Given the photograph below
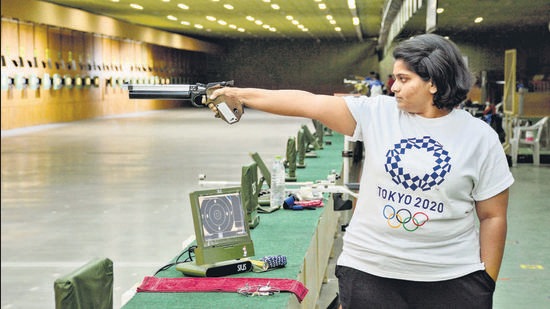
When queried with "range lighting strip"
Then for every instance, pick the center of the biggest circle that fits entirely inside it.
(290, 18)
(257, 22)
(200, 26)
(323, 7)
(355, 19)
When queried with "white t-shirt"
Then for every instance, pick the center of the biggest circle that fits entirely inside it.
(415, 217)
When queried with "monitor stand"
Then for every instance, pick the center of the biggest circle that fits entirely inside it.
(264, 204)
(254, 219)
(219, 269)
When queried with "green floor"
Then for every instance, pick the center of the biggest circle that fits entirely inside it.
(524, 277)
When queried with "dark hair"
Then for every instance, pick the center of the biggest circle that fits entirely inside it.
(438, 60)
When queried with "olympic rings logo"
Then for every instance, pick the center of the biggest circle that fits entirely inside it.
(404, 218)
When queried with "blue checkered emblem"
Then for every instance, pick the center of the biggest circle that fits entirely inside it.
(423, 182)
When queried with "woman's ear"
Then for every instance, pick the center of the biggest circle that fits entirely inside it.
(433, 88)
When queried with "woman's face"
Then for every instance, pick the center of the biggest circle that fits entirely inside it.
(413, 94)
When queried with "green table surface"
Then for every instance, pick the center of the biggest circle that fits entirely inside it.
(283, 232)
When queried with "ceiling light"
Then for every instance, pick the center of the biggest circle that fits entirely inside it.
(183, 6)
(185, 23)
(332, 22)
(305, 29)
(241, 30)
(266, 26)
(275, 6)
(322, 6)
(136, 6)
(232, 26)
(267, 1)
(228, 6)
(250, 18)
(351, 4)
(211, 18)
(478, 20)
(171, 17)
(115, 0)
(337, 29)
(165, 0)
(199, 26)
(295, 22)
(222, 22)
(258, 22)
(272, 29)
(356, 21)
(440, 10)
(329, 17)
(289, 17)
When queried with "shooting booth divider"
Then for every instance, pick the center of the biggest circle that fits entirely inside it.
(250, 192)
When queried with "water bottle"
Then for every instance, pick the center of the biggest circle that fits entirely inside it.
(277, 183)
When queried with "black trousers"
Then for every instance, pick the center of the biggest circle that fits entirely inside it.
(360, 290)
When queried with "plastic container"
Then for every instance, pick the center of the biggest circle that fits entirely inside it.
(277, 196)
(529, 136)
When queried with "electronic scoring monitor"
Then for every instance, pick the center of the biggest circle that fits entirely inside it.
(221, 228)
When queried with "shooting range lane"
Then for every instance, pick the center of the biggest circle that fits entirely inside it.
(283, 232)
(116, 187)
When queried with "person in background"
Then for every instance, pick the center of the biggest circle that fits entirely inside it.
(389, 84)
(430, 171)
(375, 85)
(489, 111)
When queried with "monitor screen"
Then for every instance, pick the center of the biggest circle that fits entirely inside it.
(221, 227)
(222, 217)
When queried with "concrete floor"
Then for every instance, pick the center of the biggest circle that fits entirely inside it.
(118, 188)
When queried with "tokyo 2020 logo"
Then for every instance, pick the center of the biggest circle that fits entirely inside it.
(441, 167)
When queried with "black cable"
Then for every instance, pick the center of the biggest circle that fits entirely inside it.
(189, 258)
